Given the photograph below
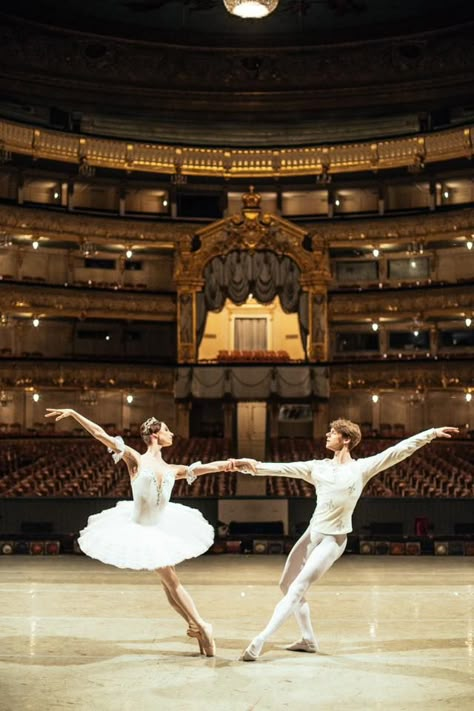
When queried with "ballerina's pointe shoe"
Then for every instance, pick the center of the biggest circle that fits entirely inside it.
(304, 645)
(196, 634)
(206, 641)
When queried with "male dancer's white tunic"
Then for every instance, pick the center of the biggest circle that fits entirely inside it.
(339, 486)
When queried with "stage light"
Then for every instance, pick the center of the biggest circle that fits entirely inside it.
(468, 397)
(129, 253)
(375, 398)
(35, 244)
(337, 202)
(468, 321)
(376, 252)
(413, 548)
(233, 546)
(36, 548)
(129, 399)
(469, 244)
(367, 548)
(397, 548)
(36, 397)
(441, 548)
(52, 547)
(446, 194)
(260, 546)
(382, 547)
(6, 547)
(21, 547)
(375, 326)
(165, 203)
(36, 322)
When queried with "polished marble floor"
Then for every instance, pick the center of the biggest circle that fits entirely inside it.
(395, 634)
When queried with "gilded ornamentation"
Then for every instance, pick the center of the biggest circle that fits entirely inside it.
(399, 375)
(81, 303)
(86, 376)
(250, 230)
(401, 304)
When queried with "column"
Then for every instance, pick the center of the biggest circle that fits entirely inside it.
(320, 418)
(70, 195)
(187, 344)
(381, 200)
(318, 323)
(273, 411)
(229, 408)
(183, 409)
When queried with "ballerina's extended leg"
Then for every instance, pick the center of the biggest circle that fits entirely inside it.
(183, 603)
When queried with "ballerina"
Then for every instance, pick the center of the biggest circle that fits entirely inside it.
(339, 482)
(149, 533)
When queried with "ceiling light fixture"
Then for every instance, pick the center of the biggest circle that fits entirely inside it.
(251, 9)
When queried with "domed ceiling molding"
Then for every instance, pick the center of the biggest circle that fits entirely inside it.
(73, 68)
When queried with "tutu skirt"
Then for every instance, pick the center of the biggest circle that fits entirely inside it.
(114, 538)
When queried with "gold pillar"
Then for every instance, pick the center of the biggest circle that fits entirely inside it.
(187, 344)
(318, 347)
(188, 287)
(315, 282)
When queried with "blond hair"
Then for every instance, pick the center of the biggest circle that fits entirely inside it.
(149, 427)
(348, 430)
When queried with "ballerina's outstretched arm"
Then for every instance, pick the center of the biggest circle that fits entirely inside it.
(225, 465)
(113, 443)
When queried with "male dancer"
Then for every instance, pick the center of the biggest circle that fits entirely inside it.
(339, 482)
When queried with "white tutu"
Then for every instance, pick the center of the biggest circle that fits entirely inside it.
(114, 538)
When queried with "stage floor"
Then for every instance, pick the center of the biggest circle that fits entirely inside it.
(395, 633)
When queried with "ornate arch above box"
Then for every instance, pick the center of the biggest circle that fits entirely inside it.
(253, 233)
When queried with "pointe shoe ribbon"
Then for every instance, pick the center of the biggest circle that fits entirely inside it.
(303, 645)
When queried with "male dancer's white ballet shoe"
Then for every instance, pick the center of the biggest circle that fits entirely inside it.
(252, 653)
(304, 645)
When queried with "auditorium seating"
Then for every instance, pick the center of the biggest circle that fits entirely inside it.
(81, 467)
(84, 468)
(441, 470)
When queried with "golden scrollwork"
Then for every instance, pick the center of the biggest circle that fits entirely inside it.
(124, 155)
(79, 303)
(401, 304)
(19, 374)
(397, 375)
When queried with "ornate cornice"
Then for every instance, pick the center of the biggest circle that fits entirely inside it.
(400, 228)
(85, 303)
(402, 375)
(397, 305)
(63, 375)
(222, 162)
(47, 62)
(75, 227)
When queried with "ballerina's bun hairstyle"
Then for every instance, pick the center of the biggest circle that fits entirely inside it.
(149, 427)
(349, 430)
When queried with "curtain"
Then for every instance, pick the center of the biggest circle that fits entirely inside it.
(250, 334)
(264, 274)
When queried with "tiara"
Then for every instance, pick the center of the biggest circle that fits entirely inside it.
(148, 424)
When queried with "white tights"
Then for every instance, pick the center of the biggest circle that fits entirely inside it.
(307, 563)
